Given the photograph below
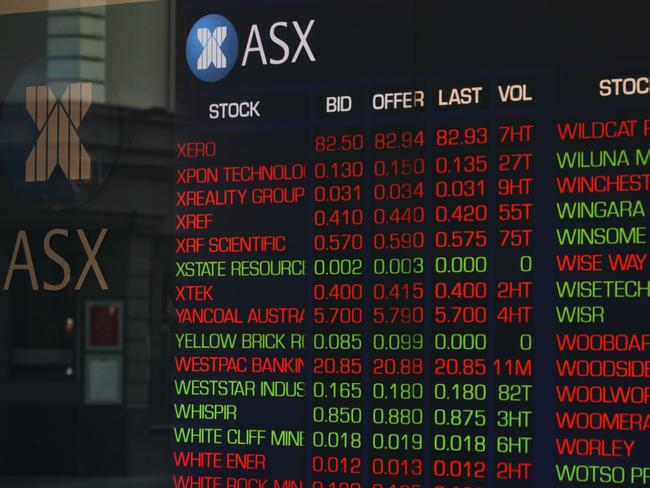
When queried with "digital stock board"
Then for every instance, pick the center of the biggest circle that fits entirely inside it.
(411, 244)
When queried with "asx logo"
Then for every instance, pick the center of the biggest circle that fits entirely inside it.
(28, 265)
(212, 46)
(58, 143)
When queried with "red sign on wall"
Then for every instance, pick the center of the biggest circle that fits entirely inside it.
(104, 326)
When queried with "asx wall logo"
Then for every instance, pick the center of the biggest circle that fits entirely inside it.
(212, 46)
(58, 143)
(60, 138)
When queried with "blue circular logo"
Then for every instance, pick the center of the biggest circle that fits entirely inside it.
(211, 48)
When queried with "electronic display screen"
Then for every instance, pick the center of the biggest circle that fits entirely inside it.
(410, 249)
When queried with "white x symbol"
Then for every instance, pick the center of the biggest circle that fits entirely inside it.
(212, 53)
